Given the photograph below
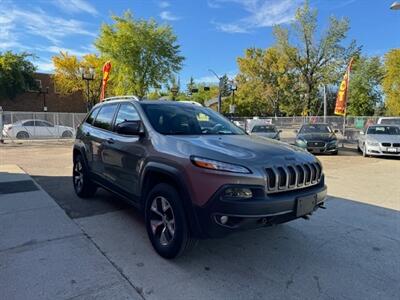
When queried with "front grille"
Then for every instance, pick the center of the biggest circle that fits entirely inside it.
(386, 144)
(315, 144)
(396, 144)
(291, 177)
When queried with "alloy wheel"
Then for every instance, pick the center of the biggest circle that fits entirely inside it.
(78, 175)
(162, 220)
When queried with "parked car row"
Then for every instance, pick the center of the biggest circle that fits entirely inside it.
(382, 139)
(29, 128)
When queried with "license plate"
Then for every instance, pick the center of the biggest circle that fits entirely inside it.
(392, 150)
(305, 205)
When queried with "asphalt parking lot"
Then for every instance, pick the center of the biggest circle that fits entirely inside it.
(348, 251)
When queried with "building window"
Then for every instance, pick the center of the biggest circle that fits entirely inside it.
(36, 88)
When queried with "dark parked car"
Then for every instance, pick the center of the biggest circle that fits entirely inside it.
(317, 138)
(191, 172)
(268, 131)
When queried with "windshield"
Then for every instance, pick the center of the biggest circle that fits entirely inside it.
(187, 120)
(315, 128)
(390, 130)
(264, 128)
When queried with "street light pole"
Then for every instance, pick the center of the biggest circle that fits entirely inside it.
(219, 90)
(87, 75)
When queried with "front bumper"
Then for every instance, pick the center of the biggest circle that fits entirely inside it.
(327, 148)
(261, 210)
(382, 151)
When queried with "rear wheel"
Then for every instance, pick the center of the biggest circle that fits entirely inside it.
(66, 134)
(22, 135)
(83, 186)
(166, 222)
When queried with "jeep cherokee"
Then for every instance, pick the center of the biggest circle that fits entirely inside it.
(191, 172)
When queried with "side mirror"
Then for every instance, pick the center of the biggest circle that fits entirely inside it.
(336, 131)
(280, 130)
(130, 128)
(295, 131)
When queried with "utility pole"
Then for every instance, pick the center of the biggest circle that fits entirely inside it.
(325, 104)
(220, 87)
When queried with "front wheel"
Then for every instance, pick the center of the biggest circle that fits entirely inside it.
(364, 151)
(166, 222)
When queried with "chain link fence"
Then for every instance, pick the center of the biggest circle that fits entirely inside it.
(39, 125)
(47, 125)
(349, 129)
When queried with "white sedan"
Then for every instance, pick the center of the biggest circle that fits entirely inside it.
(380, 140)
(26, 129)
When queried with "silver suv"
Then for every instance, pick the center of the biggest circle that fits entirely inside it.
(193, 173)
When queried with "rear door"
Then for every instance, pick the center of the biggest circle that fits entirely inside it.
(101, 137)
(44, 129)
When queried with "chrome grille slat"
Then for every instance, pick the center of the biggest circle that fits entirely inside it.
(291, 177)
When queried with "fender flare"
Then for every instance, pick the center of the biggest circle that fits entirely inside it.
(176, 176)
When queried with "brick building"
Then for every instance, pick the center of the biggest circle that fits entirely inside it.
(36, 101)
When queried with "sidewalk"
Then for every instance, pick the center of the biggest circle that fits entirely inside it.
(44, 254)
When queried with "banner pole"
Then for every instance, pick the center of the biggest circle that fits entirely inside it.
(347, 99)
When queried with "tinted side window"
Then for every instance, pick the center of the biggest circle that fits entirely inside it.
(126, 113)
(92, 115)
(105, 117)
(29, 123)
(43, 124)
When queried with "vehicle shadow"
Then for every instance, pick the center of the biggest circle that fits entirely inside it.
(61, 189)
(349, 250)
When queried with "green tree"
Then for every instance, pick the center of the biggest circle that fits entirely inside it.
(16, 74)
(391, 82)
(319, 59)
(365, 86)
(225, 86)
(267, 83)
(144, 54)
(68, 78)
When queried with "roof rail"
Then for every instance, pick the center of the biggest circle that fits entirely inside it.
(136, 98)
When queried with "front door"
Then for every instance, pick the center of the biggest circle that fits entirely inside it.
(128, 153)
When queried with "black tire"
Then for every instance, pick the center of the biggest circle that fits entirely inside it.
(159, 216)
(83, 186)
(67, 134)
(335, 153)
(364, 151)
(22, 135)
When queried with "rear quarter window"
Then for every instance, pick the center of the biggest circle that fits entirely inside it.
(105, 117)
(92, 116)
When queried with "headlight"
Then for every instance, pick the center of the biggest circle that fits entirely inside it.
(370, 143)
(301, 143)
(218, 165)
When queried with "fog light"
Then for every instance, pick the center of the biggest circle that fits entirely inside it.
(238, 193)
(223, 220)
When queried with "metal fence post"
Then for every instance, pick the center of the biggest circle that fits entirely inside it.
(1, 125)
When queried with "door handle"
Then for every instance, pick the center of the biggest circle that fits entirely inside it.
(110, 141)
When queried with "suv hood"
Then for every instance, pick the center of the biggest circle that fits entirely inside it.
(324, 137)
(239, 149)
